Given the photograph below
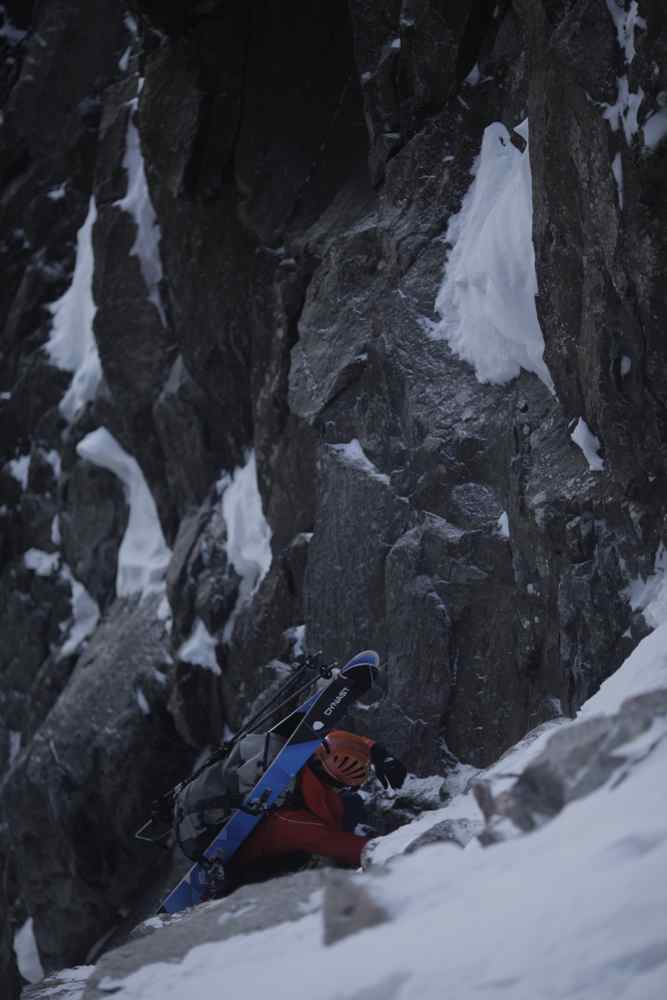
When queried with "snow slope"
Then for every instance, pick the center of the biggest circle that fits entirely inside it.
(574, 910)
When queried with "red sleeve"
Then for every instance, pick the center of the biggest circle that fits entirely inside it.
(289, 830)
(320, 799)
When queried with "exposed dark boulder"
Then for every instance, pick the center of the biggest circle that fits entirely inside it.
(73, 802)
(181, 416)
(92, 522)
(576, 761)
(10, 980)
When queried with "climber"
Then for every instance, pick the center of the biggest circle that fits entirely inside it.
(323, 816)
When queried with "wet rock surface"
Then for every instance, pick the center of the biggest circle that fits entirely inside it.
(295, 176)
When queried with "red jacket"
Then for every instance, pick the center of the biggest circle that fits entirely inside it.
(314, 829)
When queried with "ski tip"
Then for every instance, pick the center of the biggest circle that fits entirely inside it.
(367, 658)
(362, 670)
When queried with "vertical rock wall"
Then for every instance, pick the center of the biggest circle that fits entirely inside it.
(273, 187)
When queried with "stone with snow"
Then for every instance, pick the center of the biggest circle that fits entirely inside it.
(577, 760)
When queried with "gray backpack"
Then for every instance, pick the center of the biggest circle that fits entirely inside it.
(204, 804)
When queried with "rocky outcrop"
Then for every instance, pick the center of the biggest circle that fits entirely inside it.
(576, 762)
(85, 784)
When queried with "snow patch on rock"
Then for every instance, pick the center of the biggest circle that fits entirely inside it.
(353, 454)
(199, 648)
(487, 297)
(503, 525)
(19, 469)
(40, 562)
(71, 344)
(655, 129)
(248, 545)
(143, 556)
(137, 202)
(584, 439)
(650, 596)
(85, 615)
(626, 23)
(27, 955)
(85, 610)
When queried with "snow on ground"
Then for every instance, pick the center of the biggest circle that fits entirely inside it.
(248, 544)
(200, 648)
(138, 203)
(71, 344)
(353, 454)
(487, 298)
(573, 910)
(143, 555)
(584, 439)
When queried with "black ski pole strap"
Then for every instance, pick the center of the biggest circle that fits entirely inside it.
(265, 756)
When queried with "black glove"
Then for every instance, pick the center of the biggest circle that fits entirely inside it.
(388, 769)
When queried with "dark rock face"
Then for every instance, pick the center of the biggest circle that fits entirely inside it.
(74, 801)
(603, 306)
(10, 980)
(273, 194)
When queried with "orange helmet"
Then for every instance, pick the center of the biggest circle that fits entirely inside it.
(345, 757)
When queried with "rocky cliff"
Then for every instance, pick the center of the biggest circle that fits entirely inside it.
(339, 324)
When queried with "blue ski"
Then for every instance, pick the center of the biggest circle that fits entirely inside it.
(304, 729)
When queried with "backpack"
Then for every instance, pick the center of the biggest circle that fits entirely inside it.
(203, 805)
